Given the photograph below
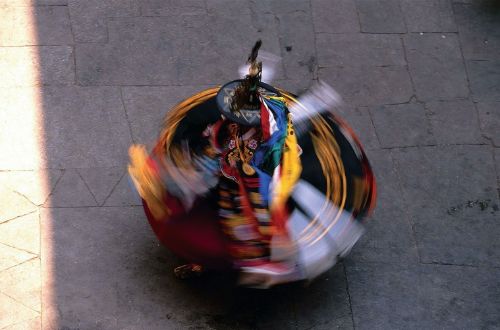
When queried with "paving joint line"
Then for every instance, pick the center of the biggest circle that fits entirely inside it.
(408, 216)
(407, 66)
(348, 295)
(22, 195)
(61, 173)
(359, 18)
(17, 217)
(51, 192)
(315, 41)
(20, 249)
(114, 187)
(87, 186)
(373, 125)
(129, 124)
(474, 103)
(23, 262)
(75, 82)
(17, 323)
(436, 263)
(20, 302)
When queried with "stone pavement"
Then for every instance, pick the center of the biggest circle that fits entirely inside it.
(81, 80)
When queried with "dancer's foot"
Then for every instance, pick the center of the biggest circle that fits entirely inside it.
(188, 271)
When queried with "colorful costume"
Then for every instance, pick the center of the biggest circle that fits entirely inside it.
(233, 184)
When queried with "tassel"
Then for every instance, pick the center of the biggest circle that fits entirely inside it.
(146, 181)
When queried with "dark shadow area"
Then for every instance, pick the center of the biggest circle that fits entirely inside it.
(490, 6)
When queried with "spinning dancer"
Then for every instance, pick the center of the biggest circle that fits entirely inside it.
(250, 178)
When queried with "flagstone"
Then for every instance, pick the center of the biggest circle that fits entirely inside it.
(10, 256)
(71, 190)
(124, 194)
(14, 312)
(32, 324)
(22, 233)
(34, 185)
(101, 180)
(13, 204)
(23, 283)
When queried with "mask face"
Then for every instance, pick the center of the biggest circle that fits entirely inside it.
(247, 110)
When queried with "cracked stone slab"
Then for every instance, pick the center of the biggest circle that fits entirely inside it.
(84, 127)
(33, 66)
(380, 16)
(479, 31)
(71, 191)
(23, 283)
(361, 122)
(13, 205)
(454, 122)
(40, 25)
(124, 194)
(34, 185)
(388, 237)
(489, 118)
(402, 125)
(391, 296)
(298, 50)
(436, 66)
(157, 53)
(340, 18)
(365, 85)
(32, 324)
(147, 106)
(10, 257)
(89, 18)
(358, 49)
(101, 180)
(14, 312)
(454, 203)
(22, 233)
(484, 79)
(428, 15)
